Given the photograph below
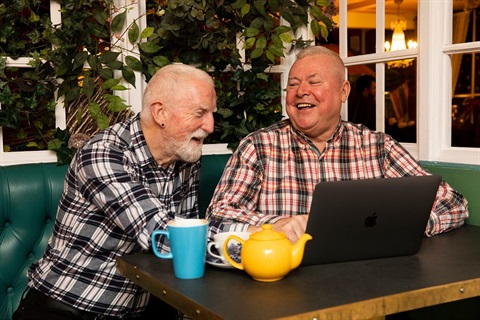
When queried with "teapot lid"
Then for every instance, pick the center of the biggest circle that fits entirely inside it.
(267, 234)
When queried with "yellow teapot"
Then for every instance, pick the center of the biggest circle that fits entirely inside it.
(268, 255)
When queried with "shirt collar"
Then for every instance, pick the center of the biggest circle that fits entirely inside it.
(338, 133)
(336, 136)
(139, 144)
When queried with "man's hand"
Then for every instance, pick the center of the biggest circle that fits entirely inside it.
(293, 227)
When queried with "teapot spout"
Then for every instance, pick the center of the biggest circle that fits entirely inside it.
(299, 249)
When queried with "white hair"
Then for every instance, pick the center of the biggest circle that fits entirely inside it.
(168, 84)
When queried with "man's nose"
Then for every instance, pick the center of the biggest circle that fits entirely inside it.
(303, 89)
(208, 123)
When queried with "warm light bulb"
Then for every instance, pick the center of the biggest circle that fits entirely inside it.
(412, 44)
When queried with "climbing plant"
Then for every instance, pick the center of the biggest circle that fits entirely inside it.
(99, 50)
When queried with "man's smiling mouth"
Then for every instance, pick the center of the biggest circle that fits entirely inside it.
(305, 106)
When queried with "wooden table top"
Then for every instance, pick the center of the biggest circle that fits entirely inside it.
(447, 268)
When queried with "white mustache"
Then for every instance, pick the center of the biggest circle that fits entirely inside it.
(199, 134)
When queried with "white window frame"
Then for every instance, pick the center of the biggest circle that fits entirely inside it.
(434, 78)
(378, 58)
(435, 84)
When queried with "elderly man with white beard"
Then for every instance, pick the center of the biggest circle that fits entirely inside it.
(127, 181)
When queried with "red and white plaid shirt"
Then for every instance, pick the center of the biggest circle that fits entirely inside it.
(273, 173)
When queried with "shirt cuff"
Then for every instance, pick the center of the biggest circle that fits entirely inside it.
(238, 227)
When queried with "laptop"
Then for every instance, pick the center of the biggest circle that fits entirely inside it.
(366, 219)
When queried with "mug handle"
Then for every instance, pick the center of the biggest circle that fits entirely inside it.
(213, 254)
(154, 244)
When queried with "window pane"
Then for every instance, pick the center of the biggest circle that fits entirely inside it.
(466, 100)
(401, 100)
(400, 25)
(466, 78)
(28, 117)
(23, 28)
(361, 102)
(462, 73)
(466, 27)
(361, 27)
(465, 122)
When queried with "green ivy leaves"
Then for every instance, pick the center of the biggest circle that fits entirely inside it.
(118, 22)
(98, 50)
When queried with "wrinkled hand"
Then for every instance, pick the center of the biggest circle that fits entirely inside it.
(293, 227)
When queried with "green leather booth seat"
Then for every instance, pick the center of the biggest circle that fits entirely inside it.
(29, 195)
(212, 169)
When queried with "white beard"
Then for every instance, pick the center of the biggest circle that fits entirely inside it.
(189, 150)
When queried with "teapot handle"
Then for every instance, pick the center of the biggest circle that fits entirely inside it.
(227, 255)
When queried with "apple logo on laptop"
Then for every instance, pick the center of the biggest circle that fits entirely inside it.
(371, 221)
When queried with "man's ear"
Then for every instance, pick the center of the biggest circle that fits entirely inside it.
(345, 89)
(157, 109)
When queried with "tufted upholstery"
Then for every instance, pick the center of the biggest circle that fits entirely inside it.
(29, 195)
(212, 169)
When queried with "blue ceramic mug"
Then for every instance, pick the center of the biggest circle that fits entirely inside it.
(188, 246)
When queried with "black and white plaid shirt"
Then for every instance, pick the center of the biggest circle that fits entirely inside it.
(114, 196)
